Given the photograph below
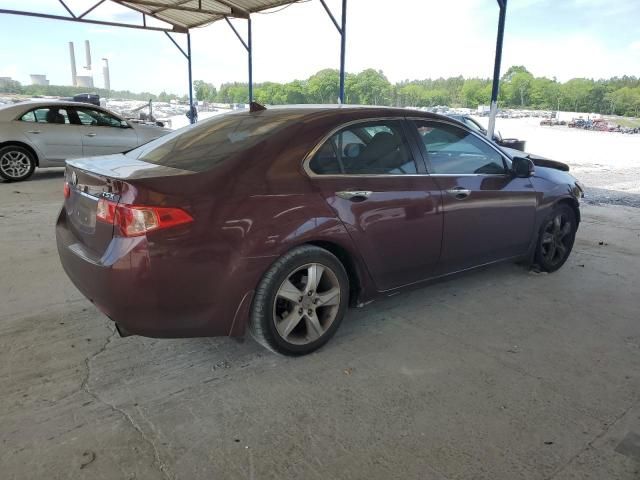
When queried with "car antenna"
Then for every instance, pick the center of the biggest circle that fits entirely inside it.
(256, 107)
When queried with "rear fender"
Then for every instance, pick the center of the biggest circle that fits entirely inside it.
(302, 219)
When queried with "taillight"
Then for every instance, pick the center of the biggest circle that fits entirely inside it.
(135, 220)
(66, 190)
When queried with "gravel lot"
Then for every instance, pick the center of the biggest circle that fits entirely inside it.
(499, 374)
(607, 163)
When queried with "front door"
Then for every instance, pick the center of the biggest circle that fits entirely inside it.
(489, 214)
(104, 134)
(367, 174)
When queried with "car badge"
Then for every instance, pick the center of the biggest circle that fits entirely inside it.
(74, 178)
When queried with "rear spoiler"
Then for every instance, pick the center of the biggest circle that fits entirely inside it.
(122, 167)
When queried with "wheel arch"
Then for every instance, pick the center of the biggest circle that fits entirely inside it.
(23, 145)
(573, 203)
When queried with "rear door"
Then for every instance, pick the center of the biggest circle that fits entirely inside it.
(366, 172)
(488, 213)
(103, 133)
(52, 131)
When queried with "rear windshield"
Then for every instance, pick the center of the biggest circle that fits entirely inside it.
(203, 146)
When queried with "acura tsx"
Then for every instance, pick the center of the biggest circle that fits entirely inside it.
(274, 221)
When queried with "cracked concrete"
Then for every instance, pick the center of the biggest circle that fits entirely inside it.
(85, 386)
(496, 375)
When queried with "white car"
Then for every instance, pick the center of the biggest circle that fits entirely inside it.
(45, 133)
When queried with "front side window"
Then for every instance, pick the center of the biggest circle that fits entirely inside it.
(453, 151)
(371, 148)
(98, 118)
(47, 115)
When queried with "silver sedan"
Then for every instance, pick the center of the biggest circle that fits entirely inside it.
(45, 133)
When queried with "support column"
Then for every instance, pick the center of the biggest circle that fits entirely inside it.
(496, 70)
(191, 115)
(343, 38)
(250, 55)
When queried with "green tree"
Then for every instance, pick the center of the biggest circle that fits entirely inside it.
(372, 87)
(576, 92)
(204, 91)
(324, 86)
(474, 92)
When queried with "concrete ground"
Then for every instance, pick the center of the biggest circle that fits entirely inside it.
(500, 374)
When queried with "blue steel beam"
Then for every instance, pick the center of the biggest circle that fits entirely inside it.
(191, 109)
(250, 55)
(343, 38)
(496, 69)
(249, 48)
(342, 30)
(177, 46)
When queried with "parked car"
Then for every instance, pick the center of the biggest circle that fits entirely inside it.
(276, 221)
(45, 133)
(497, 137)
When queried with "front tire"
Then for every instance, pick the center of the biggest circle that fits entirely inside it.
(556, 238)
(300, 301)
(16, 163)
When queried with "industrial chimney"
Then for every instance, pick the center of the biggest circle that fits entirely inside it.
(105, 74)
(72, 56)
(87, 48)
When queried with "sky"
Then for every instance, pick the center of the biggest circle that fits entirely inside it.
(407, 39)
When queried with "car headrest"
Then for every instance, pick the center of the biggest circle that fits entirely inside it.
(381, 144)
(352, 150)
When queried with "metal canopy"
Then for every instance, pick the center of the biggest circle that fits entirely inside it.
(184, 15)
(187, 14)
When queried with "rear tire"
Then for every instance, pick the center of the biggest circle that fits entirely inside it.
(300, 302)
(556, 238)
(16, 163)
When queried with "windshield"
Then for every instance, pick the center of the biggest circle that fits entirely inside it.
(202, 146)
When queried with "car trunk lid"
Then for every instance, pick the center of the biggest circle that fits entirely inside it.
(92, 179)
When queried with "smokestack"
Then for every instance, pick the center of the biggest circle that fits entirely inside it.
(105, 74)
(87, 48)
(72, 56)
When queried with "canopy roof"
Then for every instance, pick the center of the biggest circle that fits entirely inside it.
(187, 14)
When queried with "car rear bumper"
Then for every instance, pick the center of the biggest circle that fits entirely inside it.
(151, 293)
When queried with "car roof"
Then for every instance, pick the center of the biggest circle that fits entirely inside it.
(310, 110)
(8, 112)
(45, 102)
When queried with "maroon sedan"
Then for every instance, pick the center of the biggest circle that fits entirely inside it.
(278, 220)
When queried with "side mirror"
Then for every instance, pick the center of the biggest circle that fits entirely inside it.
(522, 167)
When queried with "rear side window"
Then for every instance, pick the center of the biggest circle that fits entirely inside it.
(47, 115)
(372, 148)
(206, 144)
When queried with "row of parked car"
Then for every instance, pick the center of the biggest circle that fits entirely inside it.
(597, 124)
(601, 126)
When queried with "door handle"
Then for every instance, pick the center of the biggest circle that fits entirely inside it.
(34, 131)
(459, 192)
(91, 135)
(354, 195)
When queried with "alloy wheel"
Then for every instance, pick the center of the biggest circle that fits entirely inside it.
(556, 239)
(306, 304)
(15, 164)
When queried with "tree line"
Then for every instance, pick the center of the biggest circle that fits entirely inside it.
(15, 87)
(518, 89)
